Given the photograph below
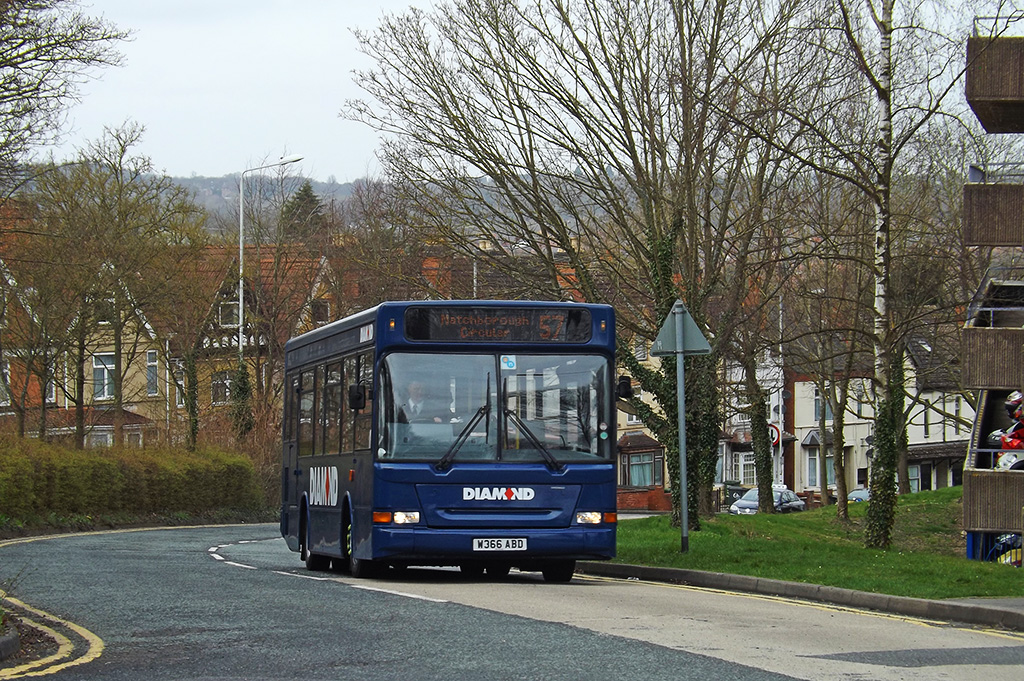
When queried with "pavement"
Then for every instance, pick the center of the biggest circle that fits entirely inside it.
(1004, 613)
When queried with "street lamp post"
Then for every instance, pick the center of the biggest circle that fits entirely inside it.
(241, 248)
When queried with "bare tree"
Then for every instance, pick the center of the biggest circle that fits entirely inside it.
(897, 69)
(580, 141)
(120, 218)
(47, 48)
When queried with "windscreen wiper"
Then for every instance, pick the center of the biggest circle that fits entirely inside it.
(445, 462)
(549, 458)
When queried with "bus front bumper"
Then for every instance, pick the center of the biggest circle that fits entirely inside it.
(431, 546)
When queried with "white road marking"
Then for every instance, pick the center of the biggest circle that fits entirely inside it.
(398, 593)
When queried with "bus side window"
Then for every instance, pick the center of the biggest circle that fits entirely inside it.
(347, 415)
(362, 417)
(306, 402)
(318, 410)
(332, 409)
(291, 408)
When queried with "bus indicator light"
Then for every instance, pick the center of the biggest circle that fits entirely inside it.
(382, 517)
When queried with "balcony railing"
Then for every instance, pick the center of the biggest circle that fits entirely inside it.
(994, 82)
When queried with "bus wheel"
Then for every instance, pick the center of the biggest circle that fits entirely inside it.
(559, 572)
(303, 539)
(357, 567)
(314, 561)
(498, 570)
(473, 570)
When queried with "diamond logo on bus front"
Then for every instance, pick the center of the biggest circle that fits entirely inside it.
(497, 493)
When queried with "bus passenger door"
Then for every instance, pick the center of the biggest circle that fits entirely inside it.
(290, 472)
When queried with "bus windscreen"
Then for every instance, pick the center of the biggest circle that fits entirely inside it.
(484, 324)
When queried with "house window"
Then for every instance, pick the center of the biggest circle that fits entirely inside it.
(103, 376)
(101, 439)
(643, 469)
(5, 383)
(640, 349)
(634, 419)
(927, 420)
(133, 439)
(743, 468)
(151, 373)
(914, 473)
(178, 376)
(50, 390)
(812, 467)
(105, 311)
(819, 404)
(320, 311)
(957, 405)
(227, 314)
(221, 387)
(179, 387)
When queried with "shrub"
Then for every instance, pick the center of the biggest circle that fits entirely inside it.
(37, 479)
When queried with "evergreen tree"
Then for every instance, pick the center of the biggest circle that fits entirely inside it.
(302, 215)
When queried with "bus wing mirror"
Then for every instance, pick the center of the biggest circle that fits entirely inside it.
(357, 397)
(624, 388)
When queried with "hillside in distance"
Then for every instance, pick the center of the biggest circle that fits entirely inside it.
(219, 195)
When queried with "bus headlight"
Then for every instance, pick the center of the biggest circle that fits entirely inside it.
(588, 517)
(406, 517)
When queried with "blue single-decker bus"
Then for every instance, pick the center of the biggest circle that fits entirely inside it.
(477, 434)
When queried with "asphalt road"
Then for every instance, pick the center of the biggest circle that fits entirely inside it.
(234, 603)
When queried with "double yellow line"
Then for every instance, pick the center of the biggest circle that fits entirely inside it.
(66, 648)
(63, 658)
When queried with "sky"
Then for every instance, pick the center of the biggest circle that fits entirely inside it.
(225, 85)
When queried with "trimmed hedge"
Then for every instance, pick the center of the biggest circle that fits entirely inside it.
(37, 478)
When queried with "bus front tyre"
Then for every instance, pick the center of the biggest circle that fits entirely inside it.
(472, 570)
(314, 561)
(561, 571)
(357, 567)
(498, 570)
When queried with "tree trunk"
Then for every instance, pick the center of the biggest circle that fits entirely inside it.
(118, 378)
(759, 437)
(824, 390)
(882, 511)
(79, 359)
(191, 380)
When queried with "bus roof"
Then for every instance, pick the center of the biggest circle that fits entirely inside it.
(370, 315)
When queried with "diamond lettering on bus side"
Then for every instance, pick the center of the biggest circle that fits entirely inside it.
(509, 493)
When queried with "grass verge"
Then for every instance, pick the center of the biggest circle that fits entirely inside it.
(926, 560)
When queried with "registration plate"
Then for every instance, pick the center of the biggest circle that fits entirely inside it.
(500, 544)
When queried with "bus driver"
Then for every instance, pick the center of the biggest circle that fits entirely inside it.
(420, 408)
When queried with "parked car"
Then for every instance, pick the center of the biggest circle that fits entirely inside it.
(859, 495)
(786, 501)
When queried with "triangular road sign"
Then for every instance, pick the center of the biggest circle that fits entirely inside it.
(693, 341)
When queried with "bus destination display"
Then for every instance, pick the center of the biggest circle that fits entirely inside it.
(482, 324)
